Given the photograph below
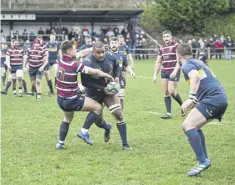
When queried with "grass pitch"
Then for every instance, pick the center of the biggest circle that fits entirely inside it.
(161, 153)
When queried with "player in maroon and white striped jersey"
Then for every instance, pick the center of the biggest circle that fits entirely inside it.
(170, 71)
(14, 61)
(37, 60)
(67, 88)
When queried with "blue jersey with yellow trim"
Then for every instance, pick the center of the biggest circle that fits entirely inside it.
(124, 49)
(3, 57)
(53, 48)
(122, 60)
(209, 84)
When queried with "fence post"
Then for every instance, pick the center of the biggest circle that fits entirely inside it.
(209, 52)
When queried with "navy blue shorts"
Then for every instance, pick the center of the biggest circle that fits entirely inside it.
(122, 82)
(97, 96)
(14, 68)
(52, 62)
(165, 75)
(70, 105)
(213, 107)
(35, 73)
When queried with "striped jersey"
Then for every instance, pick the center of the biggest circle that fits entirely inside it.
(168, 54)
(66, 77)
(16, 56)
(36, 56)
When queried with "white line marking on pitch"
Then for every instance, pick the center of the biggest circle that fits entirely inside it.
(155, 113)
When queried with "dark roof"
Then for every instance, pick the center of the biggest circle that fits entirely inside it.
(81, 15)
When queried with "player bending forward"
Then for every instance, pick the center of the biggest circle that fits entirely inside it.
(67, 88)
(207, 99)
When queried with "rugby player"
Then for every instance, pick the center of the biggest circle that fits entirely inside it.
(97, 90)
(166, 61)
(207, 99)
(36, 57)
(3, 62)
(123, 64)
(67, 86)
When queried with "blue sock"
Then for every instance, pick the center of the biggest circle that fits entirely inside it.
(8, 86)
(64, 128)
(103, 124)
(122, 131)
(195, 142)
(167, 100)
(25, 86)
(202, 137)
(90, 119)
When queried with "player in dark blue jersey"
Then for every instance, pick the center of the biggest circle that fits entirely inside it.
(207, 99)
(3, 62)
(123, 48)
(97, 90)
(124, 66)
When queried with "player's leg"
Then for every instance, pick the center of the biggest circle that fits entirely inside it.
(101, 123)
(114, 106)
(32, 76)
(19, 76)
(48, 79)
(13, 75)
(3, 75)
(94, 108)
(121, 93)
(8, 83)
(172, 86)
(64, 128)
(167, 97)
(55, 66)
(38, 84)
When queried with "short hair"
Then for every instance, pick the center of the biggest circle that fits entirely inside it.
(184, 49)
(114, 39)
(65, 46)
(166, 32)
(97, 44)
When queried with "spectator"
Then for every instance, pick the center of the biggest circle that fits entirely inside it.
(229, 46)
(85, 31)
(116, 31)
(110, 33)
(218, 49)
(195, 48)
(73, 34)
(32, 36)
(26, 45)
(25, 35)
(40, 31)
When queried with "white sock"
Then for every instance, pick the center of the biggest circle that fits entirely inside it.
(14, 92)
(84, 131)
(168, 113)
(20, 91)
(61, 142)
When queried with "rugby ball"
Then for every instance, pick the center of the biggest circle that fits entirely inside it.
(113, 87)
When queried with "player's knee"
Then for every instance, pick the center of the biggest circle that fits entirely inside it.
(172, 91)
(187, 126)
(38, 81)
(116, 111)
(166, 92)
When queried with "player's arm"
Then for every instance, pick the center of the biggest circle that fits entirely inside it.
(157, 67)
(128, 67)
(8, 62)
(130, 60)
(83, 53)
(116, 70)
(88, 82)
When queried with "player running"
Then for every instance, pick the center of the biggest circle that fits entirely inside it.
(97, 90)
(167, 62)
(36, 57)
(123, 64)
(67, 87)
(3, 62)
(207, 99)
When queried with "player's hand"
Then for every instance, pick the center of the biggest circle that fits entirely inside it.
(187, 105)
(173, 75)
(106, 91)
(155, 78)
(109, 78)
(41, 68)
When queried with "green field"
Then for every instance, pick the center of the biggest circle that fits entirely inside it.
(161, 153)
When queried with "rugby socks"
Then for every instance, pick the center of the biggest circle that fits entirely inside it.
(8, 86)
(49, 83)
(167, 100)
(14, 91)
(202, 137)
(90, 119)
(64, 128)
(195, 142)
(25, 86)
(121, 126)
(3, 80)
(103, 125)
(177, 98)
(55, 82)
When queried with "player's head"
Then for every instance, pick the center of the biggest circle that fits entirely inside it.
(98, 50)
(15, 43)
(167, 36)
(36, 43)
(114, 44)
(52, 37)
(68, 48)
(121, 40)
(88, 40)
(183, 52)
